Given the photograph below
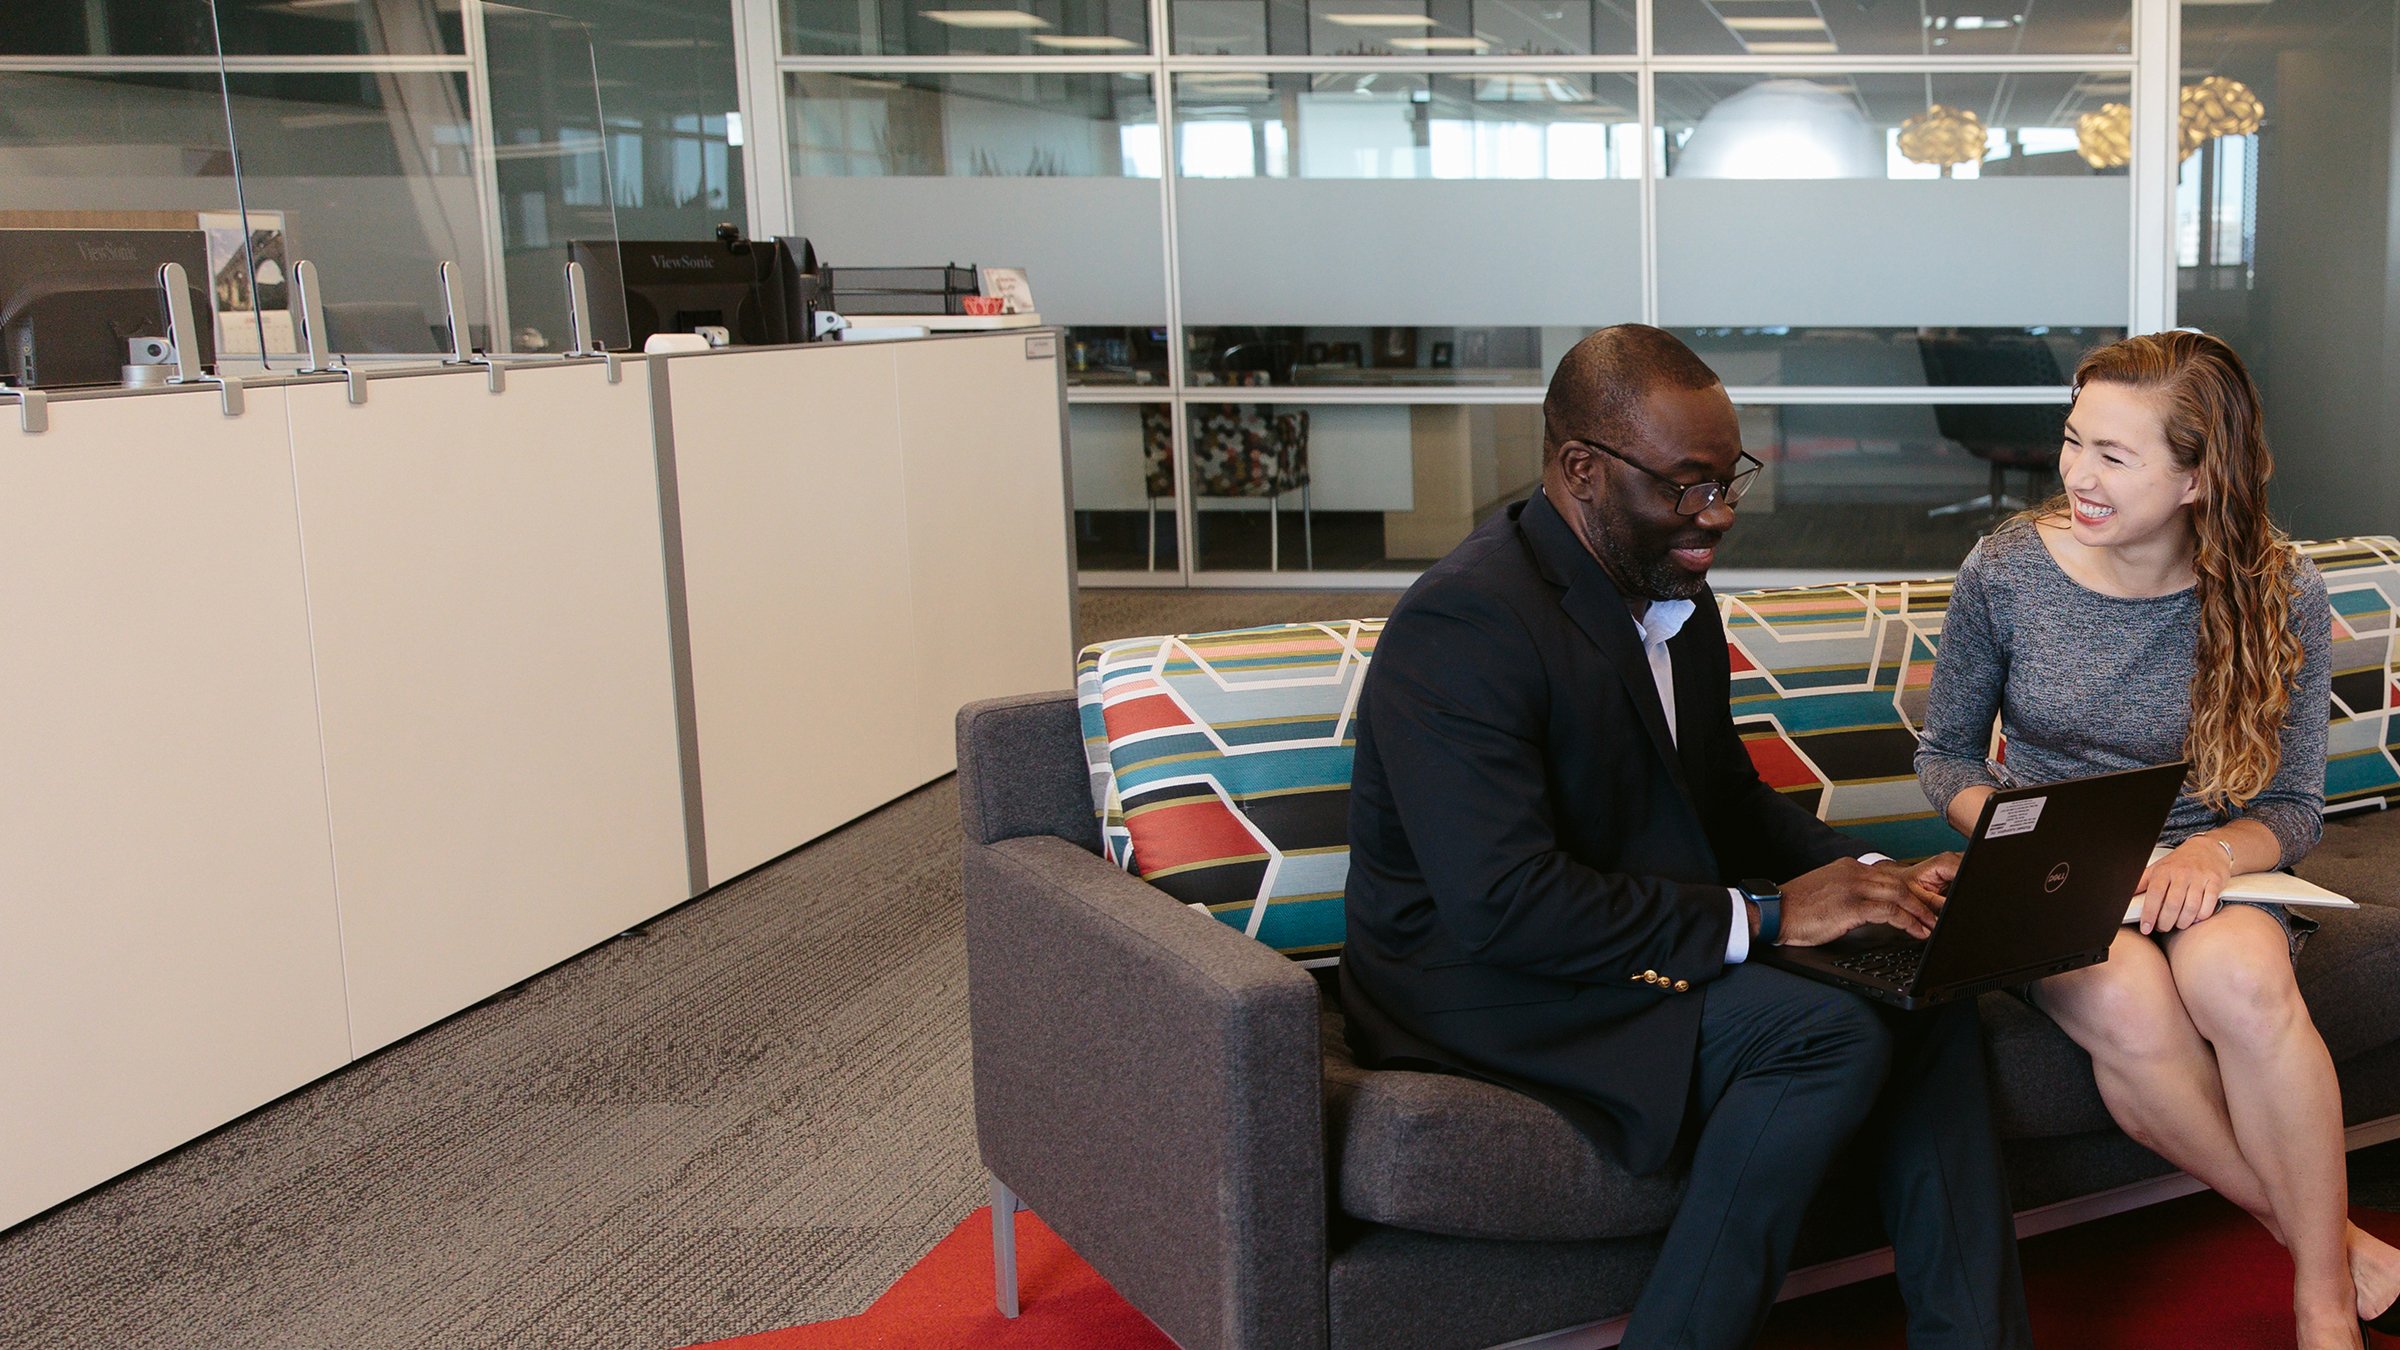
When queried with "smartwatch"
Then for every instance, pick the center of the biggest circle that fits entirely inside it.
(1768, 896)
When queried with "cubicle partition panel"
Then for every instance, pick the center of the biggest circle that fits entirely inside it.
(169, 956)
(870, 535)
(494, 673)
(325, 718)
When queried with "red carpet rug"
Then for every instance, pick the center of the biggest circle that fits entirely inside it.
(2192, 1272)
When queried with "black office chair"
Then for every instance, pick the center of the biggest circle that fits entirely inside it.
(2004, 435)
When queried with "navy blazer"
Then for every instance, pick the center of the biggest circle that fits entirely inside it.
(1537, 869)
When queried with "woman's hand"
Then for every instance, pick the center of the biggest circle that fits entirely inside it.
(2183, 888)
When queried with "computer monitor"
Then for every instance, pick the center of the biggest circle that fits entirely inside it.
(683, 285)
(70, 301)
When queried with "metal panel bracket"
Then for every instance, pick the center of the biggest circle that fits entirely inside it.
(33, 409)
(183, 334)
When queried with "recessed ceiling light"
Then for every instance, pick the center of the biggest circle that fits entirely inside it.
(986, 18)
(1764, 24)
(1791, 48)
(1440, 44)
(1380, 20)
(1065, 43)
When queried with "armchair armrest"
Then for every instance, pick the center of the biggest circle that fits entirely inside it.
(1150, 1082)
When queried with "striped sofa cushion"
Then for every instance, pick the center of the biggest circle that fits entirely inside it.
(1220, 765)
(2362, 578)
(1220, 762)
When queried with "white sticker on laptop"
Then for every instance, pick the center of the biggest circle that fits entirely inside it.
(2017, 817)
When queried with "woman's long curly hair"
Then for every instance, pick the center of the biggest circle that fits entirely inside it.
(2246, 655)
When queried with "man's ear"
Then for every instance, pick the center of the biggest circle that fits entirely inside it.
(1578, 467)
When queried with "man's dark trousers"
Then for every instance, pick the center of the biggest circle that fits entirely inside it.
(1789, 1071)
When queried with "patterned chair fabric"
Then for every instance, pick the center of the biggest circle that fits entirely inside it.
(1237, 451)
(1220, 762)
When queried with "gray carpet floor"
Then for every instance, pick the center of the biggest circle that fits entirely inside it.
(752, 1113)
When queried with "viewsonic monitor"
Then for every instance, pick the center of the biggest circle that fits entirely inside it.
(683, 285)
(70, 300)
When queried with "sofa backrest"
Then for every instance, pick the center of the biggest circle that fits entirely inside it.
(1220, 762)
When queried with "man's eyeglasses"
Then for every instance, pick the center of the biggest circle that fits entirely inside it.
(1691, 499)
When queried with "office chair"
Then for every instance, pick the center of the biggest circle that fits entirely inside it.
(1237, 451)
(2004, 435)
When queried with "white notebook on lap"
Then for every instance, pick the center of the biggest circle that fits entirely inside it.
(2273, 887)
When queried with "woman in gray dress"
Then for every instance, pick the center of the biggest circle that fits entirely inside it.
(2154, 612)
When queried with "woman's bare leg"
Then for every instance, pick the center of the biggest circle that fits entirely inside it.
(2156, 1072)
(2234, 972)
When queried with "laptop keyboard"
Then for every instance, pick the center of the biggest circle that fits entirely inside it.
(1891, 965)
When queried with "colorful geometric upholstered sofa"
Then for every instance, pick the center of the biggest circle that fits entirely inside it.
(1172, 1092)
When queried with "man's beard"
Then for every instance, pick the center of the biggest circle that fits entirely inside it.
(1657, 577)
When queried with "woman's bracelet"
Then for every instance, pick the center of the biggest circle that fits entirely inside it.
(2219, 841)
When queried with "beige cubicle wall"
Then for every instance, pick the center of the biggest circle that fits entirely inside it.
(942, 510)
(326, 720)
(169, 956)
(493, 675)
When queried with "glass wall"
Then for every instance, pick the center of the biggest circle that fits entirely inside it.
(1318, 261)
(378, 140)
(2288, 239)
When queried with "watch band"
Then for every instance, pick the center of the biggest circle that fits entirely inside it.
(1768, 896)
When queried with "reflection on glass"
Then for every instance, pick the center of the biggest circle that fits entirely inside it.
(251, 28)
(1121, 458)
(1031, 125)
(1365, 356)
(1395, 124)
(1849, 126)
(1052, 172)
(966, 28)
(1105, 355)
(560, 169)
(2054, 27)
(1900, 357)
(1331, 487)
(372, 178)
(2286, 244)
(1886, 488)
(1401, 28)
(108, 176)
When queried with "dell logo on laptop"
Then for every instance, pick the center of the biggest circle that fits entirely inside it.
(2056, 879)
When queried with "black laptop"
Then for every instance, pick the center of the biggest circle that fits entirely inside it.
(2041, 888)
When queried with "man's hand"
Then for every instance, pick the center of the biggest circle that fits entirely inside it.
(1847, 894)
(2184, 887)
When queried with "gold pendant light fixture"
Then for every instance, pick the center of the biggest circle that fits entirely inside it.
(1943, 135)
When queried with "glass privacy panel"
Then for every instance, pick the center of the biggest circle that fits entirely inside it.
(251, 28)
(1055, 173)
(1886, 488)
(2288, 241)
(1346, 487)
(1938, 28)
(1802, 202)
(1897, 357)
(1121, 460)
(667, 81)
(371, 177)
(1401, 29)
(558, 163)
(965, 28)
(1403, 227)
(109, 175)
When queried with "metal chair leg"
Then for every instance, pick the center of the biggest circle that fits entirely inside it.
(1274, 532)
(1005, 1205)
(1308, 530)
(1150, 550)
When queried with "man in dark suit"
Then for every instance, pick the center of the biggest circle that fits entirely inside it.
(1552, 823)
